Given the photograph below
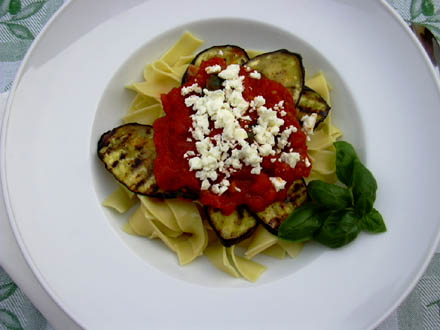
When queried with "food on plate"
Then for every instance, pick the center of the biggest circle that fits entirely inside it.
(232, 228)
(218, 147)
(273, 215)
(281, 66)
(336, 214)
(231, 55)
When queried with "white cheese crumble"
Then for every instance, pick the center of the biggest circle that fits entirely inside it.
(218, 157)
(279, 105)
(189, 153)
(220, 52)
(309, 122)
(205, 184)
(231, 72)
(307, 162)
(290, 158)
(258, 101)
(213, 69)
(278, 183)
(255, 75)
(193, 88)
(283, 140)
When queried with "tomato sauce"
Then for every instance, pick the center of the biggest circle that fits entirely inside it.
(173, 139)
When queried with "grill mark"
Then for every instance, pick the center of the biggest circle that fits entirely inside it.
(296, 187)
(137, 162)
(140, 183)
(308, 110)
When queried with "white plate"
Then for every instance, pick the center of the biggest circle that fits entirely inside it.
(70, 89)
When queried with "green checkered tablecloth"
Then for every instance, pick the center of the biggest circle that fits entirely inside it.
(20, 22)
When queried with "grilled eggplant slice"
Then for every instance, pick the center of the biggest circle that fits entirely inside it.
(231, 229)
(272, 217)
(282, 66)
(231, 54)
(311, 102)
(128, 152)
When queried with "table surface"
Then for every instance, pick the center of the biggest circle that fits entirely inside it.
(421, 309)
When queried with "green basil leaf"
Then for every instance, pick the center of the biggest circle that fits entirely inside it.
(4, 7)
(373, 222)
(364, 188)
(20, 31)
(329, 195)
(301, 224)
(28, 11)
(339, 229)
(14, 7)
(345, 156)
(428, 8)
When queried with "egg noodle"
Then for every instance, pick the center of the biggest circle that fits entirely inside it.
(178, 223)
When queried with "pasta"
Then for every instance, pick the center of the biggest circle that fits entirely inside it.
(120, 200)
(178, 223)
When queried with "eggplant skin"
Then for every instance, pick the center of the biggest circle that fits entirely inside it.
(311, 102)
(128, 153)
(281, 66)
(234, 228)
(230, 53)
(272, 217)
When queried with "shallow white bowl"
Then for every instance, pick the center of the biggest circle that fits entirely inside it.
(70, 90)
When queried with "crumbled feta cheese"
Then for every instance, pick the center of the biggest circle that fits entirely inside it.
(190, 101)
(291, 158)
(278, 183)
(220, 52)
(256, 170)
(231, 72)
(227, 152)
(213, 69)
(255, 75)
(205, 184)
(283, 113)
(237, 101)
(283, 140)
(307, 162)
(237, 189)
(189, 153)
(266, 150)
(309, 122)
(258, 101)
(195, 163)
(193, 88)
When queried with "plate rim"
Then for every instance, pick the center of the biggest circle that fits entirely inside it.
(3, 177)
(436, 242)
(10, 213)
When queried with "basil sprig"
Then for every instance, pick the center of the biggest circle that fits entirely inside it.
(336, 214)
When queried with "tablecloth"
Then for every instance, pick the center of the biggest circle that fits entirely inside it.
(21, 21)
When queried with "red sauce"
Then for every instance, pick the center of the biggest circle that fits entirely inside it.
(256, 191)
